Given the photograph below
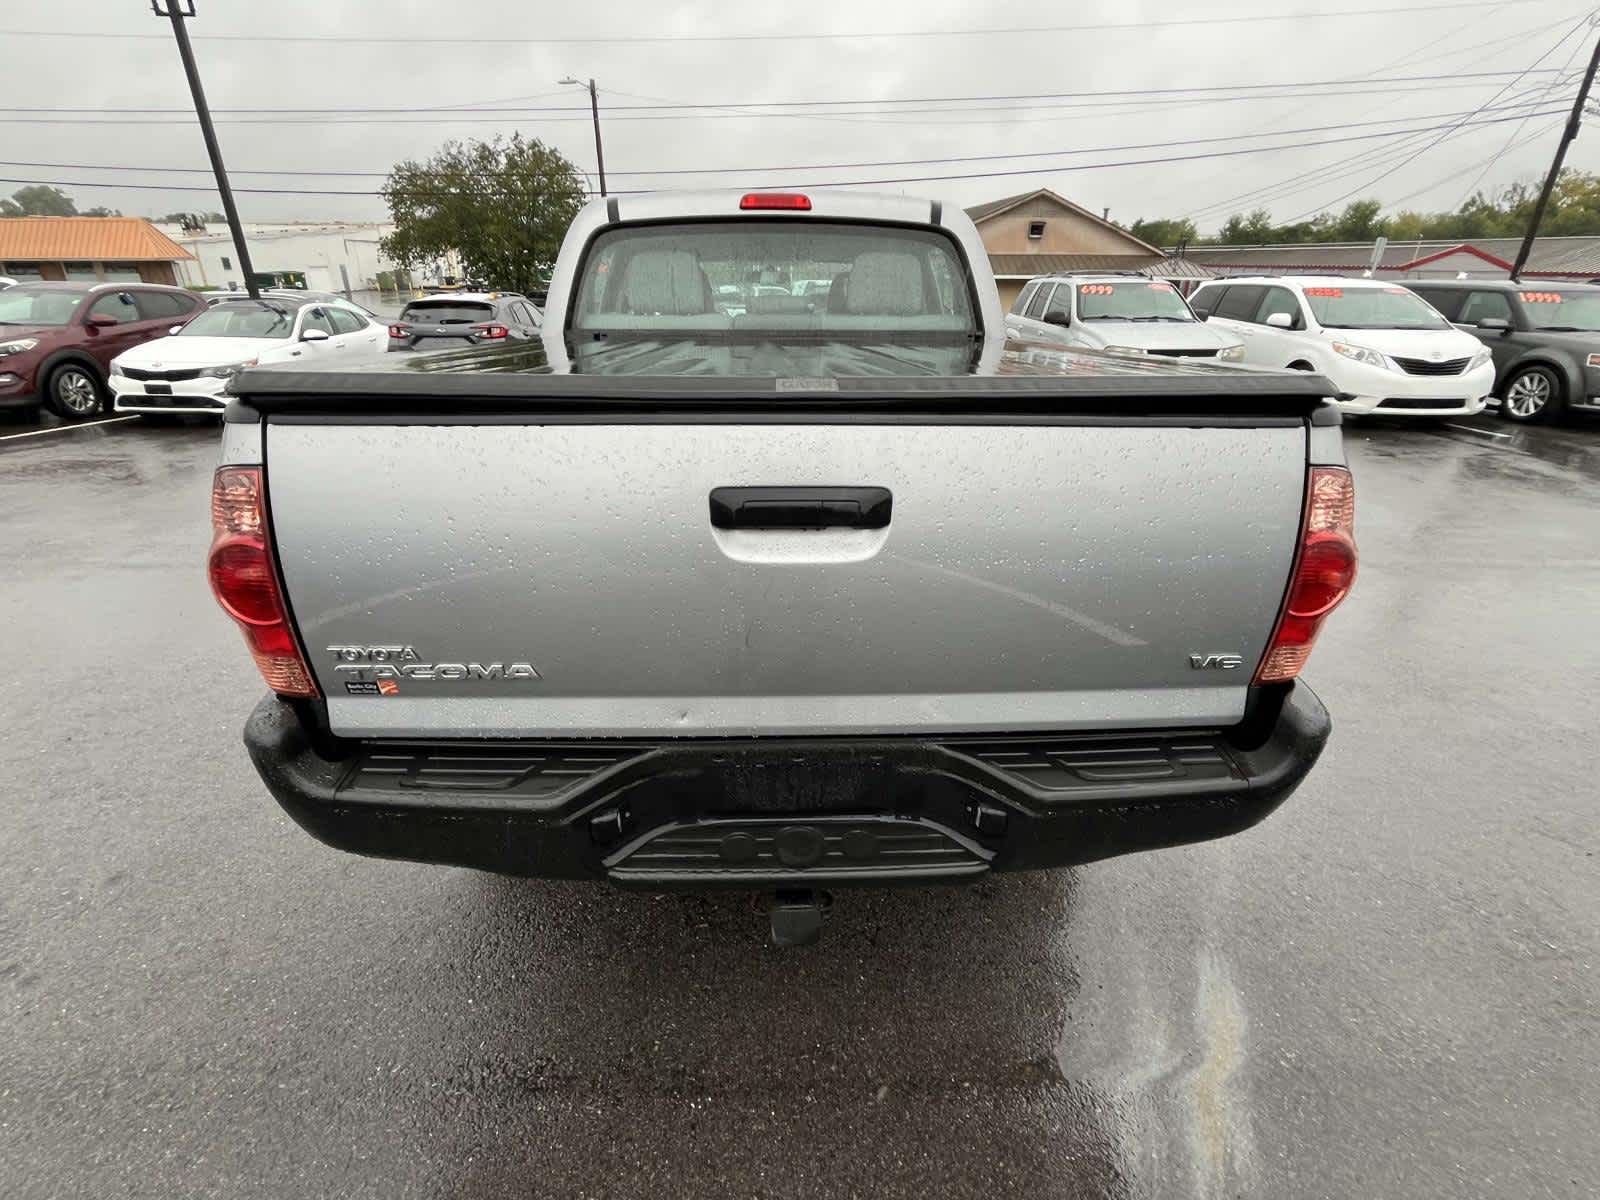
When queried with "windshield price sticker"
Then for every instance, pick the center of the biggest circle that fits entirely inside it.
(1331, 293)
(1098, 289)
(1539, 297)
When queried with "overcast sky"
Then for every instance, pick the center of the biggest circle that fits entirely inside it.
(119, 74)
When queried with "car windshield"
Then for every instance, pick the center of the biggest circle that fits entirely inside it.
(447, 312)
(1557, 312)
(1340, 307)
(24, 305)
(668, 278)
(241, 319)
(1135, 300)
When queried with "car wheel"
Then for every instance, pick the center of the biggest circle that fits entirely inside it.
(75, 393)
(1532, 394)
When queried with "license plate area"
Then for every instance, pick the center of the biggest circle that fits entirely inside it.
(158, 389)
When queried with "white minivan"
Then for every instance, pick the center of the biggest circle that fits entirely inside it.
(1385, 348)
(1121, 312)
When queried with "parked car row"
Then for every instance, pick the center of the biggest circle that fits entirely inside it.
(85, 349)
(1415, 348)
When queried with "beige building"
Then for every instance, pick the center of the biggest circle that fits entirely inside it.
(1039, 232)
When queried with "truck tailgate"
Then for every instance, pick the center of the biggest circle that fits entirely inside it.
(1031, 576)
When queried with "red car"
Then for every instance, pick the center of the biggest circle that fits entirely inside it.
(57, 340)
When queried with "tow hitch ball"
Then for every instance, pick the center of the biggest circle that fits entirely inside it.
(797, 916)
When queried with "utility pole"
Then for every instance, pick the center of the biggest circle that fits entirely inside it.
(177, 10)
(594, 110)
(1567, 137)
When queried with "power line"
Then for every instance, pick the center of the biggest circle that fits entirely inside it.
(660, 104)
(1577, 49)
(658, 39)
(877, 117)
(1048, 170)
(1516, 108)
(1411, 57)
(1423, 150)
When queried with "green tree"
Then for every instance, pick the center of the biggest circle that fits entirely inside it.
(38, 200)
(1252, 229)
(1361, 221)
(1165, 233)
(503, 206)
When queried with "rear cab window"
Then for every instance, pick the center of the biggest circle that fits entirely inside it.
(739, 276)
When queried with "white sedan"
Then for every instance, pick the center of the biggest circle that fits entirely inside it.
(188, 371)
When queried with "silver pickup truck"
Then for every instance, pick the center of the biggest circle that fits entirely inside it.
(722, 584)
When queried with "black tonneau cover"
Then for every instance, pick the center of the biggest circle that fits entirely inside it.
(672, 381)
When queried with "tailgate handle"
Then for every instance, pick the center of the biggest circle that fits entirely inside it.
(800, 507)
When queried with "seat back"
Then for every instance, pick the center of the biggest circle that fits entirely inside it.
(668, 282)
(885, 283)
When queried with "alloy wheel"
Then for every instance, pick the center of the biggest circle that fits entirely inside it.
(77, 392)
(1528, 394)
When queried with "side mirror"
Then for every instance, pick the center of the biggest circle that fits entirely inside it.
(314, 335)
(1201, 313)
(1280, 320)
(1495, 325)
(1057, 317)
(100, 321)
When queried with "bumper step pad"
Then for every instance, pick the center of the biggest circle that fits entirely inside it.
(813, 850)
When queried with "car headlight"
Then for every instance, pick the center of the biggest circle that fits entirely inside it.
(1231, 353)
(116, 367)
(1125, 350)
(1479, 359)
(1362, 355)
(18, 345)
(232, 369)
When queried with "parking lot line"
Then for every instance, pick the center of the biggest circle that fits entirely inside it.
(1485, 432)
(11, 437)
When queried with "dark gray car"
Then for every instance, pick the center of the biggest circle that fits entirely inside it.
(464, 319)
(1545, 338)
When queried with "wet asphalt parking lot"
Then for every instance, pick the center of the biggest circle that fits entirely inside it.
(1388, 989)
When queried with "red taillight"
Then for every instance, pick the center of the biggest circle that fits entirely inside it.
(1324, 569)
(492, 333)
(792, 201)
(400, 331)
(244, 579)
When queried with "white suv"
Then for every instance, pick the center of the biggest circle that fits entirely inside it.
(1119, 312)
(1385, 348)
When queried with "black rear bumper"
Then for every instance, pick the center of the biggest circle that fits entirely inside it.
(759, 812)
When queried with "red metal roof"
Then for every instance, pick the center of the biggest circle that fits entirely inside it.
(85, 239)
